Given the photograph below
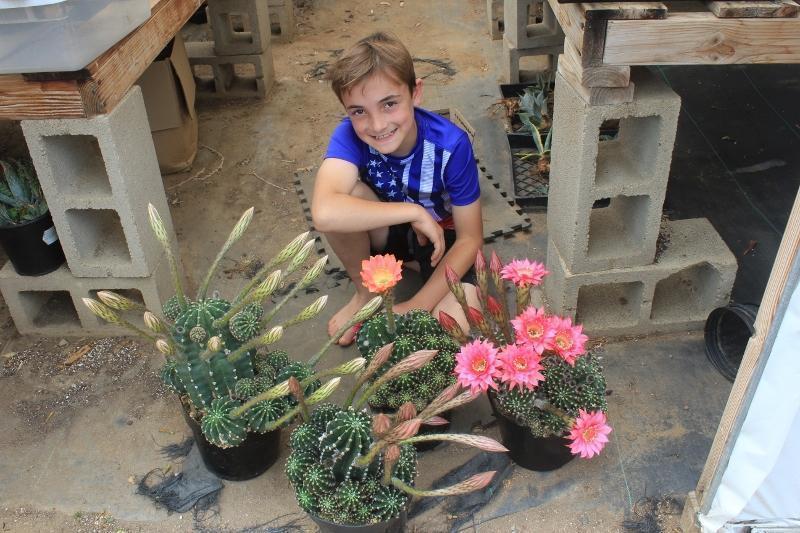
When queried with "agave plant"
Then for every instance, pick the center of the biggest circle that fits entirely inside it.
(211, 344)
(21, 197)
(350, 467)
(542, 148)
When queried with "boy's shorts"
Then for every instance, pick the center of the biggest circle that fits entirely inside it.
(402, 243)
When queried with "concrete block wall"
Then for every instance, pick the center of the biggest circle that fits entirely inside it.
(630, 172)
(239, 26)
(522, 30)
(238, 63)
(98, 175)
(52, 304)
(281, 18)
(693, 276)
(236, 76)
(494, 14)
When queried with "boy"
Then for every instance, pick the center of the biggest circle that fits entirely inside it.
(396, 179)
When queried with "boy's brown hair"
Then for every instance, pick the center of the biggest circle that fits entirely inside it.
(379, 52)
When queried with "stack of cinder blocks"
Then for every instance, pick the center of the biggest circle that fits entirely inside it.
(530, 28)
(605, 270)
(98, 175)
(238, 63)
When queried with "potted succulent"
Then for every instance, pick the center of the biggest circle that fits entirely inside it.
(27, 233)
(414, 331)
(547, 392)
(355, 471)
(234, 398)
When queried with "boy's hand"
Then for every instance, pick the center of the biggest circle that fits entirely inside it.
(427, 230)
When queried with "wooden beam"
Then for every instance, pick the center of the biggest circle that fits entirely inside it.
(602, 76)
(702, 39)
(98, 87)
(755, 9)
(787, 262)
(592, 95)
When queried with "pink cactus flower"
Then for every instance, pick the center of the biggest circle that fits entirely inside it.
(534, 327)
(519, 366)
(476, 365)
(568, 341)
(524, 273)
(589, 433)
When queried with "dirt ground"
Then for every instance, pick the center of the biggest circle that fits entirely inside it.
(85, 418)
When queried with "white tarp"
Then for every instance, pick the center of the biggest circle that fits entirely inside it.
(761, 482)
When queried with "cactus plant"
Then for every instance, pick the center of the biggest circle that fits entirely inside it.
(350, 467)
(537, 365)
(211, 343)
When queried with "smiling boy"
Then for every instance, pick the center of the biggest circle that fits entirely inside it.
(396, 179)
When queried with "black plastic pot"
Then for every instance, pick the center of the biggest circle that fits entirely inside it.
(33, 247)
(250, 459)
(540, 454)
(395, 525)
(424, 429)
(727, 331)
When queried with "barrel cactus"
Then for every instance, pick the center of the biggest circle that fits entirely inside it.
(417, 330)
(211, 344)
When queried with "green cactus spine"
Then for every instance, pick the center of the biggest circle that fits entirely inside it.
(319, 480)
(388, 503)
(297, 464)
(305, 439)
(346, 437)
(264, 413)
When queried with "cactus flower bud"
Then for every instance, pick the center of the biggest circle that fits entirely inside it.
(495, 265)
(117, 301)
(453, 281)
(391, 455)
(295, 388)
(352, 366)
(272, 336)
(436, 421)
(495, 309)
(369, 308)
(214, 344)
(381, 424)
(451, 326)
(475, 317)
(163, 347)
(407, 411)
(267, 287)
(403, 430)
(309, 312)
(102, 311)
(314, 272)
(292, 248)
(300, 257)
(323, 392)
(153, 323)
(157, 225)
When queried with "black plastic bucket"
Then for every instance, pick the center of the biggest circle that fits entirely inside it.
(250, 459)
(727, 331)
(395, 525)
(540, 454)
(33, 247)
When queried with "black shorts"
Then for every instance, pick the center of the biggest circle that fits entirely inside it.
(402, 243)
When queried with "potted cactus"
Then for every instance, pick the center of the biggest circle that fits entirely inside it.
(414, 331)
(547, 392)
(27, 233)
(234, 398)
(355, 471)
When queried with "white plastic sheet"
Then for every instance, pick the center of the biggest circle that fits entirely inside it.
(761, 482)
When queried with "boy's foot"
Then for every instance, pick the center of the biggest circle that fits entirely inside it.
(343, 315)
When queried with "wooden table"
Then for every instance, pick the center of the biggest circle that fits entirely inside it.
(98, 87)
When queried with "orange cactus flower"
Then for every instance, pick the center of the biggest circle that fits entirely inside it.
(380, 273)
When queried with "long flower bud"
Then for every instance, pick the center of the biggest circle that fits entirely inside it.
(476, 441)
(476, 482)
(361, 315)
(413, 362)
(451, 326)
(324, 391)
(117, 301)
(300, 257)
(102, 311)
(291, 249)
(266, 287)
(313, 272)
(390, 458)
(270, 337)
(153, 323)
(160, 232)
(436, 421)
(445, 396)
(309, 311)
(403, 430)
(381, 423)
(407, 411)
(368, 310)
(164, 347)
(482, 277)
(496, 267)
(278, 391)
(236, 234)
(378, 359)
(478, 320)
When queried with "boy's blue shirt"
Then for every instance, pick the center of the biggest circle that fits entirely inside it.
(440, 171)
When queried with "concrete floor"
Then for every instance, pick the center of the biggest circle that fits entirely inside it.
(76, 439)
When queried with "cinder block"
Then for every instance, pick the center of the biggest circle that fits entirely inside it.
(531, 24)
(693, 276)
(494, 12)
(631, 170)
(52, 304)
(281, 19)
(98, 176)
(239, 76)
(240, 27)
(512, 54)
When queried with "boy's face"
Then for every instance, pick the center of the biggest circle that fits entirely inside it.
(381, 110)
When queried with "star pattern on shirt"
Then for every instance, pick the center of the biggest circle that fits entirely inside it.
(386, 179)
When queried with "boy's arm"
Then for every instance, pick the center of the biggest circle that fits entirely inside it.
(461, 256)
(335, 209)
